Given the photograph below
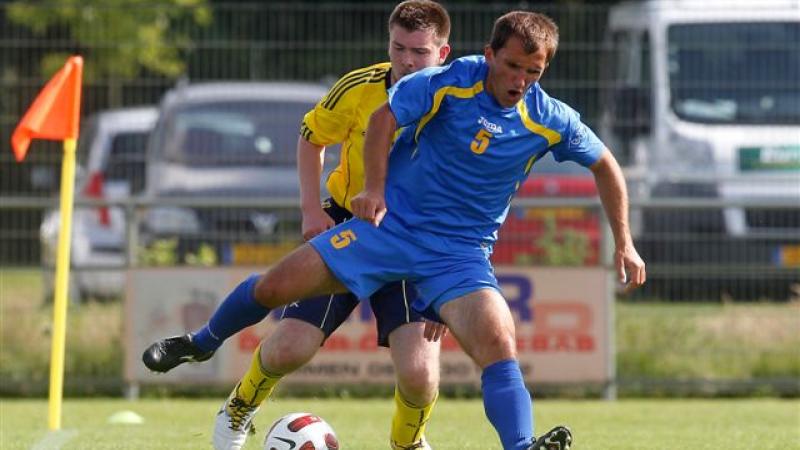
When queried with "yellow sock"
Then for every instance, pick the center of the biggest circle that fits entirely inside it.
(257, 384)
(408, 423)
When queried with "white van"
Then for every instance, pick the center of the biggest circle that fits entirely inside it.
(703, 100)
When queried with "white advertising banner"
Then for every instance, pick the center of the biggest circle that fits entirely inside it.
(561, 314)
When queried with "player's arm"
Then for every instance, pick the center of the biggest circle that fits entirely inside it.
(310, 159)
(370, 204)
(326, 124)
(614, 196)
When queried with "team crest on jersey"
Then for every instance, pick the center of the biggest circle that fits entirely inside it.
(490, 127)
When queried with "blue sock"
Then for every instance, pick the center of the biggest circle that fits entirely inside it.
(238, 311)
(507, 404)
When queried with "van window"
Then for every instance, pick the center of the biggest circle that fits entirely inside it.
(737, 73)
(235, 133)
(629, 100)
(126, 160)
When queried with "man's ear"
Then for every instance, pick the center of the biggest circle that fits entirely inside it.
(488, 53)
(444, 52)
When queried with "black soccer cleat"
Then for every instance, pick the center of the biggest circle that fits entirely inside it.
(559, 438)
(166, 354)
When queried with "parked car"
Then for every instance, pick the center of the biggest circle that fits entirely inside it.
(110, 166)
(220, 141)
(557, 236)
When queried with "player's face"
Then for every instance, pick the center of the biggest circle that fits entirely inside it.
(410, 51)
(512, 71)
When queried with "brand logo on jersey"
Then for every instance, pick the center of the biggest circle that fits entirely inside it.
(490, 127)
(579, 136)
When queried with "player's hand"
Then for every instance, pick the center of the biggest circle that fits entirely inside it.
(630, 268)
(434, 331)
(369, 206)
(315, 221)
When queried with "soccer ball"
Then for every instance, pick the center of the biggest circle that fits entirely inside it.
(300, 431)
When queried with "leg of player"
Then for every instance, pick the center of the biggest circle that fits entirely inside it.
(290, 346)
(482, 324)
(416, 364)
(299, 275)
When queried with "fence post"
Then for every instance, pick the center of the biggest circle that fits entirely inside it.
(132, 243)
(607, 262)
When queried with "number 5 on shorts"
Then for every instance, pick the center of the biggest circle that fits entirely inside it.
(343, 239)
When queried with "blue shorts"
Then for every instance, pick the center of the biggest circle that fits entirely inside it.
(364, 258)
(391, 304)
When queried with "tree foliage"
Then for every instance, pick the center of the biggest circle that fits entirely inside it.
(121, 38)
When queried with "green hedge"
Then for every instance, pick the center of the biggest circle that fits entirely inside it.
(662, 349)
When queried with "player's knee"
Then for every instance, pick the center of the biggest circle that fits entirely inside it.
(418, 378)
(269, 290)
(263, 291)
(498, 347)
(283, 359)
(284, 354)
(419, 386)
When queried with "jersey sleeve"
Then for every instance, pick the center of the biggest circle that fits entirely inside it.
(412, 96)
(578, 142)
(332, 118)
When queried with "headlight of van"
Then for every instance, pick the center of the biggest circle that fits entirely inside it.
(682, 155)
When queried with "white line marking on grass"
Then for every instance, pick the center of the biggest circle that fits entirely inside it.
(53, 440)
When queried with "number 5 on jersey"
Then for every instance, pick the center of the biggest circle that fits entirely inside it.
(481, 142)
(343, 239)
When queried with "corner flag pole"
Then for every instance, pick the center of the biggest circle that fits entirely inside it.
(61, 287)
(55, 115)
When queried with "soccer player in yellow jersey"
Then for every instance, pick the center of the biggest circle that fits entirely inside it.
(418, 38)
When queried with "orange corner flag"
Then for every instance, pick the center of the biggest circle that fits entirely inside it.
(55, 114)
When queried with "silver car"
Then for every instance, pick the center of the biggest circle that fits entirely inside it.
(225, 141)
(111, 166)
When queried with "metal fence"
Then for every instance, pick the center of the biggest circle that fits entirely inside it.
(682, 265)
(730, 231)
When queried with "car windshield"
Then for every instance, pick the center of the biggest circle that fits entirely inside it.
(236, 133)
(742, 73)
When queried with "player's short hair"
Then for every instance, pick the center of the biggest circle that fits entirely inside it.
(535, 30)
(414, 15)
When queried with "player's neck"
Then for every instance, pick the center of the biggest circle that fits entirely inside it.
(491, 89)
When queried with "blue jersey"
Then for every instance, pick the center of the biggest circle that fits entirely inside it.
(455, 169)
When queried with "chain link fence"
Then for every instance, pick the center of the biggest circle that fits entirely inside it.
(730, 231)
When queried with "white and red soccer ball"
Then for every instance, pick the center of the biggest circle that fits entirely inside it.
(301, 431)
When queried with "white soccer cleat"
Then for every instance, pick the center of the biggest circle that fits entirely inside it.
(422, 444)
(233, 424)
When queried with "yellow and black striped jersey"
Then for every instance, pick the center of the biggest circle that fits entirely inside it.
(342, 117)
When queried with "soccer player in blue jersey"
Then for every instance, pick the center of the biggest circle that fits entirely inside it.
(429, 212)
(418, 38)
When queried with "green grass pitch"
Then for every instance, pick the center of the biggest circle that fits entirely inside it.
(456, 424)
